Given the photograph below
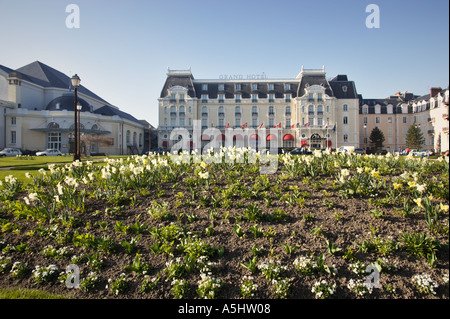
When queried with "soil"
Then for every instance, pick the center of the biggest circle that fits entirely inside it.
(353, 226)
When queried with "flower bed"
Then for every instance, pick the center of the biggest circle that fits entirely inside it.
(215, 227)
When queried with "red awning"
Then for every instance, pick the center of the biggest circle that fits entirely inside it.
(288, 137)
(329, 143)
(237, 137)
(304, 143)
(271, 137)
(164, 144)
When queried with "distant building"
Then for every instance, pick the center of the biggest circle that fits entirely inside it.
(395, 114)
(307, 110)
(37, 112)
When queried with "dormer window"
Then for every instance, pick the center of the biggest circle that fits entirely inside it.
(237, 86)
(205, 87)
(271, 86)
(344, 88)
(221, 87)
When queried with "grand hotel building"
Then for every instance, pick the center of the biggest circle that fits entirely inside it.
(308, 110)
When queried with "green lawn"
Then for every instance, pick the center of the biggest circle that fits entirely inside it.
(28, 294)
(19, 167)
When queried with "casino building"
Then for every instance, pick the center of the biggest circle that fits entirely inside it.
(37, 113)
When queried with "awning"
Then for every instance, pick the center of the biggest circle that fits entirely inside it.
(206, 137)
(304, 143)
(238, 137)
(254, 137)
(288, 137)
(271, 137)
(164, 144)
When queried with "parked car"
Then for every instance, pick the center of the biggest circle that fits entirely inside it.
(359, 151)
(158, 150)
(346, 149)
(10, 152)
(49, 152)
(422, 153)
(300, 151)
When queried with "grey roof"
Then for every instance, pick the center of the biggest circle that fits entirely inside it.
(183, 80)
(46, 76)
(110, 111)
(343, 88)
(66, 102)
(314, 79)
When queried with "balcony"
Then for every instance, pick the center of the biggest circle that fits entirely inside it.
(237, 114)
(204, 114)
(271, 113)
(254, 113)
(430, 131)
(288, 114)
(221, 114)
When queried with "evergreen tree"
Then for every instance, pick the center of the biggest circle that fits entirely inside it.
(376, 139)
(414, 138)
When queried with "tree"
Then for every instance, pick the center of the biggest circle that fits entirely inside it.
(414, 138)
(376, 139)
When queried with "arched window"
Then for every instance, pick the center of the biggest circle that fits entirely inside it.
(128, 137)
(53, 125)
(94, 127)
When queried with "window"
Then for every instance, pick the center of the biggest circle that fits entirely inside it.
(271, 87)
(365, 109)
(221, 87)
(254, 87)
(182, 122)
(287, 97)
(365, 119)
(205, 87)
(254, 111)
(13, 137)
(345, 120)
(377, 120)
(221, 123)
(173, 97)
(288, 111)
(288, 123)
(254, 98)
(311, 109)
(389, 120)
(237, 122)
(128, 137)
(237, 111)
(271, 122)
(319, 121)
(204, 111)
(311, 97)
(221, 111)
(54, 141)
(271, 110)
(344, 88)
(345, 138)
(237, 87)
(181, 97)
(320, 110)
(287, 86)
(328, 109)
(13, 120)
(345, 107)
(405, 120)
(237, 98)
(254, 122)
(320, 97)
(221, 98)
(271, 97)
(204, 98)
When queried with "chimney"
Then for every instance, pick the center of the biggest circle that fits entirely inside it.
(435, 91)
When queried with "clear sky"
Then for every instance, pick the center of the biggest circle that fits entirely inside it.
(123, 48)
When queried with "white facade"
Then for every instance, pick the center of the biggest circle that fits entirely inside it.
(38, 114)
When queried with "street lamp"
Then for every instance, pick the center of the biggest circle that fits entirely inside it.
(76, 83)
(365, 138)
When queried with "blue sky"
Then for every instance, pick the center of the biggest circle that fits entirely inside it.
(123, 48)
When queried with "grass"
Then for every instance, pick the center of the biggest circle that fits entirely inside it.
(7, 293)
(18, 167)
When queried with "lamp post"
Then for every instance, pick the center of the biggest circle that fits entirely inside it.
(76, 83)
(365, 138)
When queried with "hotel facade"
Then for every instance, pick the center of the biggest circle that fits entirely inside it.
(306, 111)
